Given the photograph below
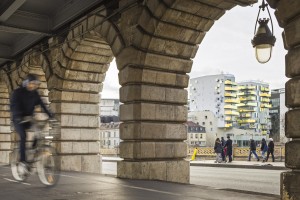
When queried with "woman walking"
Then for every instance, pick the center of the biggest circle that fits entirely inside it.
(218, 150)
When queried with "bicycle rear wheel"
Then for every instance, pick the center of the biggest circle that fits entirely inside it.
(47, 166)
(15, 168)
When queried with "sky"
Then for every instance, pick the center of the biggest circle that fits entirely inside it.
(227, 48)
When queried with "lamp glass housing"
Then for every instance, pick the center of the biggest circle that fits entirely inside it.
(263, 53)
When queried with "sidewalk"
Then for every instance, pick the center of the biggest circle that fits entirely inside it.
(234, 164)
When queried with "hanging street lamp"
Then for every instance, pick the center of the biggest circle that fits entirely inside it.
(264, 39)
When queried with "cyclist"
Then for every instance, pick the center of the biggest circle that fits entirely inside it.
(23, 101)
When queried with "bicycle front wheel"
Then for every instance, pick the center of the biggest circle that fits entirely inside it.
(47, 166)
(15, 168)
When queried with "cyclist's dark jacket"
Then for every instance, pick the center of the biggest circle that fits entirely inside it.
(23, 102)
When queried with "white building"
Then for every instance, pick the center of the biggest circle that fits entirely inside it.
(218, 94)
(109, 135)
(196, 135)
(109, 107)
(277, 113)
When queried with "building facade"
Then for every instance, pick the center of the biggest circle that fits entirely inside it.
(196, 135)
(109, 135)
(254, 97)
(109, 107)
(277, 114)
(216, 93)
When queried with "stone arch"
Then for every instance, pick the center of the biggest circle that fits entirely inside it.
(5, 131)
(161, 38)
(78, 68)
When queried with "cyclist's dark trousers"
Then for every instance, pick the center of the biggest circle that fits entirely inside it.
(21, 130)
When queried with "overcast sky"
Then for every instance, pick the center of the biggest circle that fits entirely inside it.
(227, 48)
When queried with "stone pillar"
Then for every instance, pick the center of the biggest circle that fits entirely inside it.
(5, 132)
(75, 81)
(288, 17)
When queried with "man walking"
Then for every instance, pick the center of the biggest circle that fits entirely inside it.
(228, 145)
(252, 150)
(271, 150)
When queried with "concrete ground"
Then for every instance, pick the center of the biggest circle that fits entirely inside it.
(86, 186)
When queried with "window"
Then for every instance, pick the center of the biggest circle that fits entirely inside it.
(201, 136)
(191, 136)
(203, 123)
(210, 123)
(211, 129)
(205, 117)
(196, 135)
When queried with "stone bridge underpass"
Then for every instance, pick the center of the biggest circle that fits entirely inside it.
(153, 43)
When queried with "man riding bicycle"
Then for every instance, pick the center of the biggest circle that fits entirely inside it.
(23, 102)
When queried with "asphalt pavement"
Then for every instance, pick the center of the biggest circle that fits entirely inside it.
(87, 186)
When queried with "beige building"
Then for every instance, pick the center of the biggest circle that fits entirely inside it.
(196, 135)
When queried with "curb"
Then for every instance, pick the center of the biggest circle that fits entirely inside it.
(267, 167)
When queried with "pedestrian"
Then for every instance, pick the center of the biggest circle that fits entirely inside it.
(228, 146)
(218, 150)
(252, 150)
(223, 142)
(264, 149)
(270, 150)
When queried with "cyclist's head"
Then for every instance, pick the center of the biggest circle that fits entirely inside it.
(31, 82)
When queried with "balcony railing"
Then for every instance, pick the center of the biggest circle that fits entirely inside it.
(246, 121)
(265, 105)
(265, 95)
(247, 104)
(229, 94)
(230, 107)
(231, 101)
(231, 113)
(231, 89)
(228, 82)
(247, 87)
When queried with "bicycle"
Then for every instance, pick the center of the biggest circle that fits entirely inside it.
(43, 155)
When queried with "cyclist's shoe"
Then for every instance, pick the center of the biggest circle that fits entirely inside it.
(23, 168)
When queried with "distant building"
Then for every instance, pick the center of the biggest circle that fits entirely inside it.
(277, 113)
(254, 97)
(109, 135)
(196, 135)
(109, 107)
(218, 94)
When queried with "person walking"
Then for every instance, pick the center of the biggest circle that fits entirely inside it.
(228, 146)
(223, 142)
(218, 150)
(252, 150)
(270, 150)
(264, 149)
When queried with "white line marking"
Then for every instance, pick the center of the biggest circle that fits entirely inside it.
(16, 181)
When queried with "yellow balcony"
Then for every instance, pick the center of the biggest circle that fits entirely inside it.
(246, 121)
(265, 95)
(247, 87)
(267, 100)
(264, 132)
(247, 93)
(230, 107)
(247, 104)
(264, 89)
(231, 101)
(266, 106)
(228, 125)
(231, 113)
(247, 98)
(231, 88)
(245, 115)
(230, 95)
(228, 118)
(229, 82)
(246, 110)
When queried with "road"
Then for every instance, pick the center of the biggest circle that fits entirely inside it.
(86, 186)
(255, 180)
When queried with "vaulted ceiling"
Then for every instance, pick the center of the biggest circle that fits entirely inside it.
(23, 23)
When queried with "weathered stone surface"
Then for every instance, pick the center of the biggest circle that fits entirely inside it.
(75, 108)
(152, 150)
(152, 93)
(289, 182)
(292, 32)
(4, 156)
(80, 121)
(134, 57)
(292, 154)
(81, 163)
(292, 93)
(155, 112)
(55, 95)
(152, 131)
(138, 75)
(81, 134)
(273, 3)
(292, 125)
(286, 10)
(173, 171)
(292, 63)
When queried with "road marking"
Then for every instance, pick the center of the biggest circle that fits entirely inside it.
(16, 181)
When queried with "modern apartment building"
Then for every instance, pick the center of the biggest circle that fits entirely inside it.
(218, 94)
(254, 97)
(277, 114)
